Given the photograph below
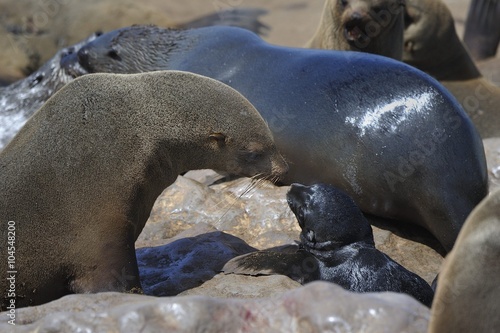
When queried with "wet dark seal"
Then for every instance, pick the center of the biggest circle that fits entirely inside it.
(80, 178)
(336, 245)
(389, 135)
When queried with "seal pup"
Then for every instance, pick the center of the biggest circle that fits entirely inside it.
(332, 115)
(373, 26)
(336, 245)
(432, 45)
(19, 100)
(468, 289)
(80, 178)
(482, 28)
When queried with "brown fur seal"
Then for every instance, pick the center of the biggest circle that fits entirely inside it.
(431, 42)
(482, 28)
(373, 26)
(468, 291)
(80, 178)
(432, 45)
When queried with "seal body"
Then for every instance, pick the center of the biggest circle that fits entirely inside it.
(468, 286)
(381, 130)
(21, 99)
(336, 245)
(373, 26)
(80, 178)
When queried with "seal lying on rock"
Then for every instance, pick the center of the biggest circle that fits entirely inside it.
(468, 289)
(381, 130)
(80, 178)
(21, 99)
(373, 26)
(336, 245)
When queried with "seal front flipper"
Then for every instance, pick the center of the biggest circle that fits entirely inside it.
(290, 260)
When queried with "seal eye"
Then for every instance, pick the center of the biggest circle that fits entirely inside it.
(343, 2)
(113, 54)
(219, 138)
(36, 80)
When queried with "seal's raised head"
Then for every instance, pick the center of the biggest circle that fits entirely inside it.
(328, 217)
(374, 26)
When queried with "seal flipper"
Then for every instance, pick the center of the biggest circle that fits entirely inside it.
(246, 18)
(289, 260)
(482, 28)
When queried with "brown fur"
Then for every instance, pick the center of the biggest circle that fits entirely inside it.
(432, 45)
(82, 175)
(468, 291)
(431, 42)
(373, 26)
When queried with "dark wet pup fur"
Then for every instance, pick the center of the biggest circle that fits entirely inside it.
(336, 245)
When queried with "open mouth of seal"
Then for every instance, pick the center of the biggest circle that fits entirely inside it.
(352, 30)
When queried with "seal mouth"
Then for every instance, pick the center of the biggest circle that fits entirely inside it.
(317, 248)
(70, 60)
(352, 30)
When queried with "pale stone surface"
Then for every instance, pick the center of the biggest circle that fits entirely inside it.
(243, 286)
(317, 307)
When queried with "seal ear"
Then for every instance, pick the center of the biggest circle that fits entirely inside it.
(218, 138)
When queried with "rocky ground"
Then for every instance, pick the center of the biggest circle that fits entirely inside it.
(196, 225)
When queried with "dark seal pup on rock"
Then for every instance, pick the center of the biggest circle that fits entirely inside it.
(389, 135)
(336, 245)
(80, 178)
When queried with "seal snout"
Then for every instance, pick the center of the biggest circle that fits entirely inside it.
(353, 27)
(83, 56)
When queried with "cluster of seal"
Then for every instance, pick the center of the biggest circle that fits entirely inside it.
(332, 117)
(336, 245)
(80, 178)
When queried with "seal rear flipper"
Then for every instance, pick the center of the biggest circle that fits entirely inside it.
(246, 18)
(299, 266)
